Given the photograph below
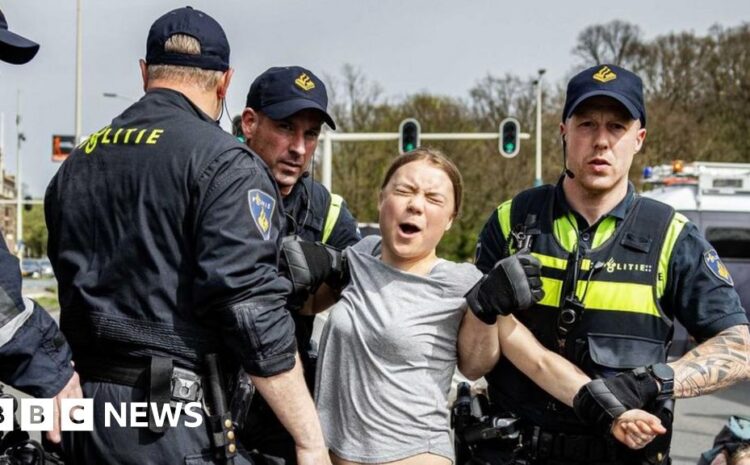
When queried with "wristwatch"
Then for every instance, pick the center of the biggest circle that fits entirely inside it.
(665, 375)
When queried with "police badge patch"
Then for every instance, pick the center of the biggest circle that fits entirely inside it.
(262, 207)
(714, 263)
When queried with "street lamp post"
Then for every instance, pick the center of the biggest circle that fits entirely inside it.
(79, 74)
(20, 137)
(538, 171)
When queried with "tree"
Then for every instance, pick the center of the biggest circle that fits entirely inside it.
(35, 232)
(616, 42)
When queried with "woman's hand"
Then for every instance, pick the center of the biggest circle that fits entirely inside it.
(637, 428)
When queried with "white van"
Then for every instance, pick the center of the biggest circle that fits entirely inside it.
(716, 197)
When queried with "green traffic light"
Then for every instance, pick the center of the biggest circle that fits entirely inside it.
(510, 147)
(408, 147)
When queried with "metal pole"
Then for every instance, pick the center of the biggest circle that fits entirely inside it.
(327, 159)
(329, 137)
(79, 66)
(538, 171)
(19, 194)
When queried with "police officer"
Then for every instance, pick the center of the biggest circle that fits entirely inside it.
(284, 112)
(34, 356)
(617, 269)
(164, 233)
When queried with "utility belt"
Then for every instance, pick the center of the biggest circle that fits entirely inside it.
(501, 437)
(163, 380)
(167, 383)
(570, 447)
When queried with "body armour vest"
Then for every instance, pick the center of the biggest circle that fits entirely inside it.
(611, 291)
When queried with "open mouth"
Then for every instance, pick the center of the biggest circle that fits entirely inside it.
(408, 228)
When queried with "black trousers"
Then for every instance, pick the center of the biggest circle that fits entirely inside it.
(117, 445)
(495, 454)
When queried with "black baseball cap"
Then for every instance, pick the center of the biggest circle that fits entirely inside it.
(194, 23)
(15, 49)
(281, 92)
(610, 81)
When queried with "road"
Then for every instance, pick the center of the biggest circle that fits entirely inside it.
(698, 420)
(33, 287)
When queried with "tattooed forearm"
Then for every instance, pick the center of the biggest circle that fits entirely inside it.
(717, 363)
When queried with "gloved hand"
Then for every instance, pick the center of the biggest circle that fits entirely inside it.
(600, 401)
(310, 264)
(513, 284)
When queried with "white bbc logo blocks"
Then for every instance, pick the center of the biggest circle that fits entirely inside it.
(80, 415)
(6, 414)
(37, 414)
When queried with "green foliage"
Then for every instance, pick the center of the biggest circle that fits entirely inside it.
(35, 232)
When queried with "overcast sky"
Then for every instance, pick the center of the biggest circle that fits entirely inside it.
(406, 46)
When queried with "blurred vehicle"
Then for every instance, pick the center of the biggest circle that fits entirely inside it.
(369, 229)
(46, 268)
(716, 197)
(31, 268)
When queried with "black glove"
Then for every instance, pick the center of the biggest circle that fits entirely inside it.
(600, 401)
(309, 264)
(513, 284)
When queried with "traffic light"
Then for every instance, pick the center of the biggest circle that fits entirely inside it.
(510, 132)
(408, 135)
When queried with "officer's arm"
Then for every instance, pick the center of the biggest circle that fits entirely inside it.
(35, 356)
(703, 298)
(717, 363)
(237, 287)
(294, 408)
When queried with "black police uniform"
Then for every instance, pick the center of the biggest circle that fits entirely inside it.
(603, 341)
(164, 236)
(311, 212)
(34, 356)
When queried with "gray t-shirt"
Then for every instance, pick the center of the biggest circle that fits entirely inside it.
(387, 355)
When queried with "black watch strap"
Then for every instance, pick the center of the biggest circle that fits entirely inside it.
(665, 375)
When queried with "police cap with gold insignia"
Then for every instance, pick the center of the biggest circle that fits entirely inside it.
(15, 49)
(281, 92)
(214, 53)
(610, 81)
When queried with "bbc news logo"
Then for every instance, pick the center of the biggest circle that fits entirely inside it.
(78, 414)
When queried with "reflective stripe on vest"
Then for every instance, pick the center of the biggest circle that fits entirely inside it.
(600, 295)
(333, 215)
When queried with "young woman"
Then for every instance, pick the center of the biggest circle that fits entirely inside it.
(389, 348)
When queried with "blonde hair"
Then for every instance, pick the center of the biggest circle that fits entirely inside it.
(743, 453)
(181, 43)
(437, 159)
